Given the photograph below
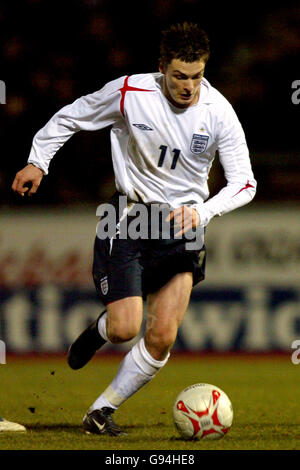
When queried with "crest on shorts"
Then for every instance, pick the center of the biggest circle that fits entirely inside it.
(199, 143)
(104, 285)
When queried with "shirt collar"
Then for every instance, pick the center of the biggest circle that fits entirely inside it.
(205, 92)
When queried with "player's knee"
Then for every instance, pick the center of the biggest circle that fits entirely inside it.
(161, 340)
(121, 336)
(124, 320)
(122, 333)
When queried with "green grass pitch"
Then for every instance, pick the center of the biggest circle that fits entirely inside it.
(50, 400)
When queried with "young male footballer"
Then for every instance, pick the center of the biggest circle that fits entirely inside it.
(167, 128)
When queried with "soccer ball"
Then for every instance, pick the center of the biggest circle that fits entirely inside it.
(202, 411)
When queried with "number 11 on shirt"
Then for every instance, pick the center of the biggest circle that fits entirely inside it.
(163, 149)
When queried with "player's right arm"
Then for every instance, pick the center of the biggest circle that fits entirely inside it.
(91, 112)
(29, 174)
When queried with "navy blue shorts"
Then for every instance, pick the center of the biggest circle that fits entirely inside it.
(126, 267)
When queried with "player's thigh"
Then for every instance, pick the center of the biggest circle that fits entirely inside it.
(166, 308)
(124, 318)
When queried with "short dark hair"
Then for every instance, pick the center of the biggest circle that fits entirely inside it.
(186, 42)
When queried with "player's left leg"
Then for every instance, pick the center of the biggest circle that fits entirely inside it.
(166, 309)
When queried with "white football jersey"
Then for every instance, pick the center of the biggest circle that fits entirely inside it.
(161, 153)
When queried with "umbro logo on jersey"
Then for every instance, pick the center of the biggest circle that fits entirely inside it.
(143, 127)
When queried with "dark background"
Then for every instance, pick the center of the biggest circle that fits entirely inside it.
(53, 52)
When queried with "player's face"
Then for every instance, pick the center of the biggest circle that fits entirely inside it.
(182, 81)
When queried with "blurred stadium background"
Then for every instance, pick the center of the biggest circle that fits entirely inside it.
(53, 52)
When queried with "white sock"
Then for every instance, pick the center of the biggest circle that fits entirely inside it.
(102, 327)
(136, 370)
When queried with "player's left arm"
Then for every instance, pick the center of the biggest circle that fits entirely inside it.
(185, 218)
(234, 157)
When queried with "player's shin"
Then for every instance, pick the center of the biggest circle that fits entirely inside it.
(136, 370)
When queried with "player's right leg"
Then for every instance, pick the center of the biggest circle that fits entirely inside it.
(120, 322)
(140, 365)
(88, 342)
(117, 277)
(123, 322)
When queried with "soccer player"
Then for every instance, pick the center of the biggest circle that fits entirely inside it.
(9, 426)
(167, 128)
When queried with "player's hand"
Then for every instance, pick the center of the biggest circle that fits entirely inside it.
(29, 174)
(185, 219)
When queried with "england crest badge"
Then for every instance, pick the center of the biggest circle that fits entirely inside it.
(104, 285)
(199, 143)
